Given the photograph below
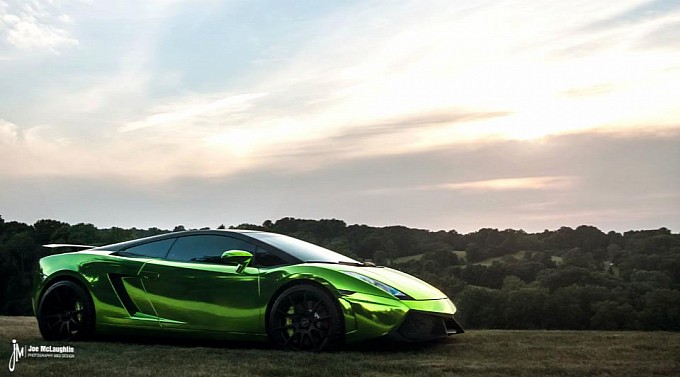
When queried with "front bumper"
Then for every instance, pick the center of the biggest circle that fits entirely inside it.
(368, 316)
(424, 326)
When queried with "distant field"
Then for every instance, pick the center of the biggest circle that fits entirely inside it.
(462, 255)
(489, 261)
(476, 353)
(459, 253)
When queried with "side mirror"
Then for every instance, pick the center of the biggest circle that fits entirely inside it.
(241, 257)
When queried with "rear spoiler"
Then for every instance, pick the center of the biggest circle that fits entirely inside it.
(68, 246)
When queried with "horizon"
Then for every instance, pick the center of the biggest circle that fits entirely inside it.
(429, 114)
(229, 226)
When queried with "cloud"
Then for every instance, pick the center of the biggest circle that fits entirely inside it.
(8, 132)
(220, 110)
(410, 122)
(664, 36)
(35, 25)
(592, 90)
(612, 181)
(398, 79)
(551, 183)
(410, 63)
(449, 113)
(504, 184)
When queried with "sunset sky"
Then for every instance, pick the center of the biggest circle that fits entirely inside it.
(430, 114)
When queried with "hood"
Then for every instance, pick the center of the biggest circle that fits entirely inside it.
(404, 282)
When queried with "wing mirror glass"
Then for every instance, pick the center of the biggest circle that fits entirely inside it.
(239, 257)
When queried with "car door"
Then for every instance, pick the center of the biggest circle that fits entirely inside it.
(193, 289)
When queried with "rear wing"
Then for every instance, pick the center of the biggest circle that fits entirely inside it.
(68, 246)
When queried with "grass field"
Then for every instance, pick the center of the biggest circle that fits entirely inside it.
(475, 353)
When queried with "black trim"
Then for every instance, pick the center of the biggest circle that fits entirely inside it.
(425, 326)
(117, 282)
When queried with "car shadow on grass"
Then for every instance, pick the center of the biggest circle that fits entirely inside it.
(374, 345)
(388, 345)
(148, 340)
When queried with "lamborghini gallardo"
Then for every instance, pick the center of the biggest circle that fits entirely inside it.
(234, 285)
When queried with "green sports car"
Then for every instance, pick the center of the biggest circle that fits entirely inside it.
(234, 285)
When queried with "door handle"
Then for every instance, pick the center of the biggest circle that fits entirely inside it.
(149, 275)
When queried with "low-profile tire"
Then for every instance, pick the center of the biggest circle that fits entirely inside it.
(66, 312)
(305, 318)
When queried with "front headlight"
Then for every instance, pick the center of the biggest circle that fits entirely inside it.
(389, 289)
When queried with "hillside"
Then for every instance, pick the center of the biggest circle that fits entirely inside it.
(567, 278)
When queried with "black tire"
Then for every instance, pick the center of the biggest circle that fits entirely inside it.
(66, 312)
(305, 318)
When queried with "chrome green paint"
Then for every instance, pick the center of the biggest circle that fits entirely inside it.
(443, 306)
(410, 285)
(239, 257)
(198, 296)
(375, 316)
(134, 288)
(219, 301)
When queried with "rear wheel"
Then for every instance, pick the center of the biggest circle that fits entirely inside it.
(305, 318)
(66, 312)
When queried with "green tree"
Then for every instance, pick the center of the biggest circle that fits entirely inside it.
(612, 315)
(44, 229)
(563, 310)
(661, 310)
(524, 308)
(480, 307)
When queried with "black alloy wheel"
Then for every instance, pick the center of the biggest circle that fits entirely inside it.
(66, 312)
(305, 318)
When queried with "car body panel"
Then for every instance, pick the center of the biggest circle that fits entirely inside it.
(197, 296)
(216, 301)
(408, 284)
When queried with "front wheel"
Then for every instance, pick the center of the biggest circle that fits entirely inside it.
(66, 312)
(305, 318)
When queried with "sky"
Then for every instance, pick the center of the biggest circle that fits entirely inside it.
(431, 114)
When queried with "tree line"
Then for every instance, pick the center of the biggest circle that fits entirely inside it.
(567, 278)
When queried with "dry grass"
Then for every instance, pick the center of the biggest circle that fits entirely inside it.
(476, 353)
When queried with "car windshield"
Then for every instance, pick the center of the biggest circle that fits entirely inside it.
(302, 250)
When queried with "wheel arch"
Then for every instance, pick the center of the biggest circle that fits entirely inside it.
(65, 275)
(86, 322)
(319, 283)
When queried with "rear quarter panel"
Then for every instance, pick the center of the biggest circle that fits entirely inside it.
(92, 270)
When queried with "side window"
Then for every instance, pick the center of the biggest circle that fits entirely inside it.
(206, 248)
(155, 249)
(265, 258)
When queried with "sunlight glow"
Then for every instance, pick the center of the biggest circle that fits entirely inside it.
(352, 90)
